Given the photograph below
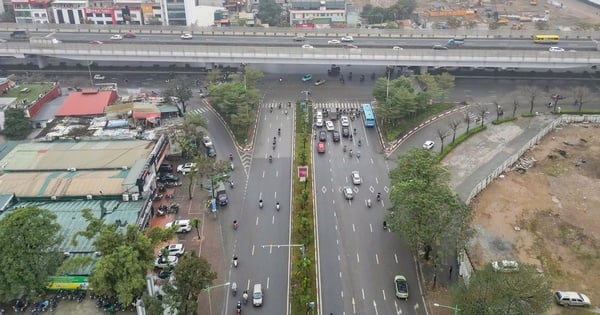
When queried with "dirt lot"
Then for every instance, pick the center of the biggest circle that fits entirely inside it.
(549, 215)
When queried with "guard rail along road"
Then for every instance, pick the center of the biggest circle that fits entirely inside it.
(296, 55)
(290, 32)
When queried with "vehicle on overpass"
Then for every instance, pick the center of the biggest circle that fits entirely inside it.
(546, 39)
(187, 36)
(369, 115)
(456, 42)
(307, 77)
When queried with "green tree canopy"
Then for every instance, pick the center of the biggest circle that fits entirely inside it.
(180, 87)
(16, 124)
(269, 12)
(423, 207)
(29, 242)
(192, 275)
(237, 104)
(489, 293)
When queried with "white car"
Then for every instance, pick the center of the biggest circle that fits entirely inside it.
(428, 145)
(116, 36)
(571, 298)
(556, 49)
(345, 121)
(347, 39)
(206, 141)
(174, 250)
(356, 180)
(186, 36)
(397, 48)
(319, 82)
(183, 226)
(307, 46)
(334, 42)
(164, 262)
(98, 77)
(505, 266)
(186, 168)
(319, 122)
(329, 125)
(348, 193)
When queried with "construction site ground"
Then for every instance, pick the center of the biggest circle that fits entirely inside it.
(547, 214)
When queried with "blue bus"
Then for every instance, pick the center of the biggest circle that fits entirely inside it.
(369, 115)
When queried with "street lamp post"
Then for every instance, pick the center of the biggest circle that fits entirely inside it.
(207, 289)
(455, 308)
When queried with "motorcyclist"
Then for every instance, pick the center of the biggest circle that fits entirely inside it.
(277, 205)
(354, 130)
(239, 307)
(369, 202)
(245, 296)
(279, 131)
(260, 203)
(270, 158)
(231, 156)
(234, 288)
(351, 152)
(344, 148)
(359, 143)
(235, 263)
(274, 140)
(235, 224)
(231, 183)
(384, 225)
(378, 196)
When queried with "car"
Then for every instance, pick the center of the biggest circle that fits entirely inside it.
(356, 180)
(321, 147)
(571, 298)
(183, 226)
(168, 178)
(210, 151)
(556, 49)
(350, 46)
(428, 145)
(186, 168)
(401, 286)
(348, 193)
(98, 77)
(345, 132)
(186, 36)
(319, 82)
(174, 250)
(165, 168)
(345, 121)
(307, 77)
(334, 42)
(257, 295)
(319, 122)
(336, 136)
(164, 262)
(206, 141)
(329, 125)
(322, 136)
(129, 35)
(505, 266)
(299, 39)
(116, 36)
(96, 42)
(397, 48)
(347, 39)
(307, 46)
(439, 47)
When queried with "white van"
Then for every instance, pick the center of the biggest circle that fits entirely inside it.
(319, 122)
(257, 295)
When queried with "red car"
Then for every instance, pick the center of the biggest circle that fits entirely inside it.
(321, 147)
(129, 35)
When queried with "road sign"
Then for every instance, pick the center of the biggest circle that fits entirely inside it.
(302, 172)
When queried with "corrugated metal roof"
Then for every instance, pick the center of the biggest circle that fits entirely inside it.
(86, 103)
(69, 216)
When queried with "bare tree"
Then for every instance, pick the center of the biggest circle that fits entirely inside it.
(556, 94)
(453, 126)
(531, 92)
(442, 134)
(515, 105)
(580, 93)
(468, 121)
(481, 111)
(499, 111)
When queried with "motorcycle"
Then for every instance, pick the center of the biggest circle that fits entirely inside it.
(260, 204)
(162, 210)
(245, 297)
(270, 159)
(378, 196)
(279, 131)
(235, 264)
(350, 153)
(358, 154)
(234, 289)
(369, 203)
(281, 79)
(359, 143)
(235, 225)
(239, 307)
(174, 208)
(277, 206)
(344, 149)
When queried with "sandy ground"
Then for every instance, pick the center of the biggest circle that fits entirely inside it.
(549, 215)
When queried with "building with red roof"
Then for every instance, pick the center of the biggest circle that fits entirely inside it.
(89, 102)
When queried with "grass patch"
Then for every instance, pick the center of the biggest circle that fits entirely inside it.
(577, 112)
(503, 120)
(527, 115)
(303, 275)
(555, 168)
(460, 139)
(391, 133)
(35, 89)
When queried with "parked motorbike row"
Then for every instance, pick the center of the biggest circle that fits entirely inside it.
(164, 209)
(113, 305)
(49, 303)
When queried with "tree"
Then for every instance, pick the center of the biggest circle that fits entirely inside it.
(214, 75)
(236, 102)
(556, 94)
(192, 275)
(454, 126)
(581, 93)
(453, 22)
(481, 112)
(423, 207)
(531, 92)
(126, 256)
(181, 88)
(195, 222)
(402, 9)
(442, 134)
(269, 12)
(16, 124)
(29, 242)
(490, 293)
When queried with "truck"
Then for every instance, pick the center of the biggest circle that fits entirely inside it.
(44, 42)
(221, 194)
(456, 42)
(19, 35)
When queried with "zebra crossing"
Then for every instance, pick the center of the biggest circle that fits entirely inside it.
(340, 105)
(200, 110)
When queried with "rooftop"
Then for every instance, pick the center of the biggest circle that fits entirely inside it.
(87, 103)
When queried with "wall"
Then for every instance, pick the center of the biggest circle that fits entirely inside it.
(37, 104)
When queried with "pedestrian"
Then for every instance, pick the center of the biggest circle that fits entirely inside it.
(450, 273)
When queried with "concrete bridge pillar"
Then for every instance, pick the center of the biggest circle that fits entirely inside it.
(42, 61)
(423, 69)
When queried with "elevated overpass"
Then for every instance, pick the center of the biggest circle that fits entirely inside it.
(232, 54)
